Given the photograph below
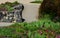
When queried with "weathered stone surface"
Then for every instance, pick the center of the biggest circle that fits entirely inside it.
(19, 7)
(15, 15)
(1, 15)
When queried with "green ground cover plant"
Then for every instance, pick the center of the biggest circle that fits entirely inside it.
(7, 6)
(44, 28)
(37, 1)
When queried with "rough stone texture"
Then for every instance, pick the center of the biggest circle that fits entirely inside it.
(15, 15)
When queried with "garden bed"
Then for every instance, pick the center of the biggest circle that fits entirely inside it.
(44, 28)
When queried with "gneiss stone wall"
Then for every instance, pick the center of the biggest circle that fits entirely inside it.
(12, 16)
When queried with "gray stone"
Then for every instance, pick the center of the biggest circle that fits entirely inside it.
(15, 15)
(18, 12)
(18, 7)
(1, 15)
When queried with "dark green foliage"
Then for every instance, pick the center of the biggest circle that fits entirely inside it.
(52, 8)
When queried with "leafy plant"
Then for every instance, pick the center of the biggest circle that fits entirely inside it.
(8, 5)
(44, 28)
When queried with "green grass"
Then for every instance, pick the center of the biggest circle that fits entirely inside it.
(36, 2)
(40, 29)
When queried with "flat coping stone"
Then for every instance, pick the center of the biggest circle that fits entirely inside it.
(5, 24)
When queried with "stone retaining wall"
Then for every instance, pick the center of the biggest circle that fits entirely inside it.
(30, 12)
